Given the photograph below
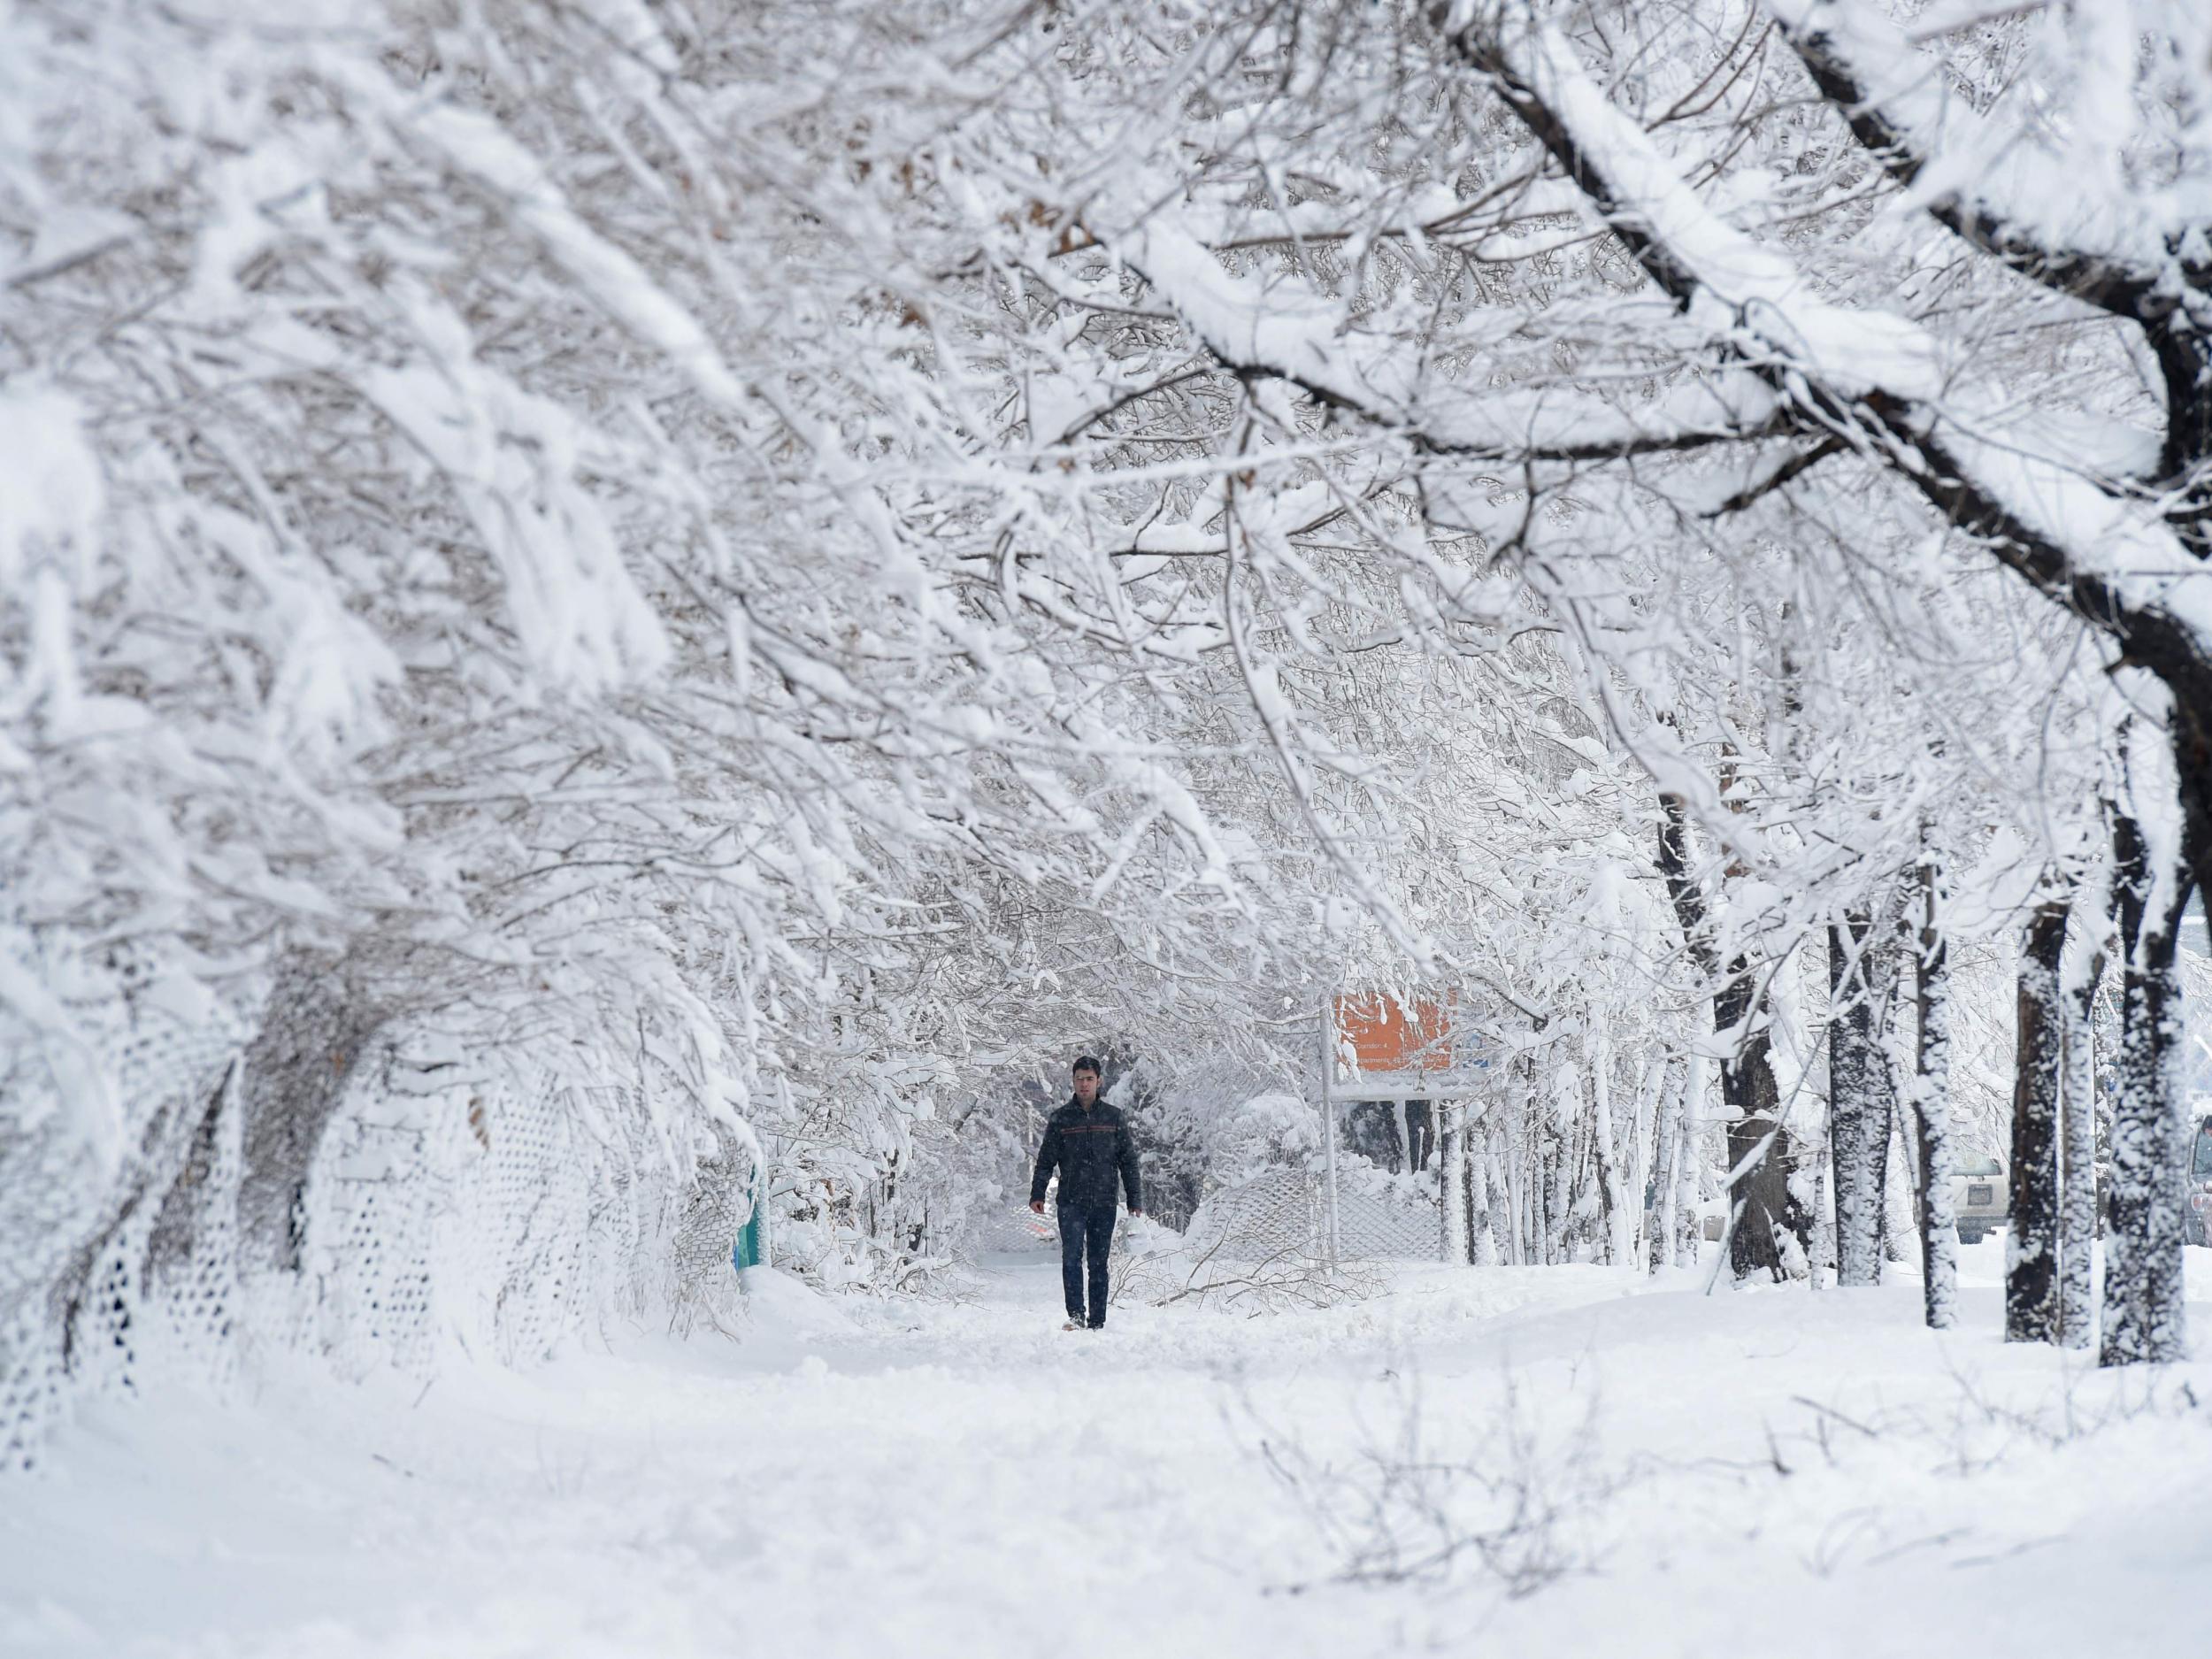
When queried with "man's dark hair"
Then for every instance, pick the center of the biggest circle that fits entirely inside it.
(1087, 1063)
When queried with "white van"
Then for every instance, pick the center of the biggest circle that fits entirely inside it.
(1980, 1196)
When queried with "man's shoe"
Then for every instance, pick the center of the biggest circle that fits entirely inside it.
(1070, 1326)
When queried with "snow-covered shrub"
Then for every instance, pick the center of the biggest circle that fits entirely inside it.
(1519, 1500)
(1270, 1131)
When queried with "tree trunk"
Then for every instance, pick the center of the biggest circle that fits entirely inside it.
(1931, 1113)
(314, 1030)
(1666, 1165)
(1538, 1185)
(1517, 1233)
(1613, 1194)
(1858, 1103)
(1548, 1201)
(1475, 1186)
(2080, 972)
(1904, 1221)
(1758, 1147)
(2143, 1308)
(1516, 1227)
(2031, 1226)
(1899, 1234)
(1689, 1220)
(1882, 968)
(1758, 1150)
(1821, 1251)
(1491, 1214)
(1535, 1188)
(1649, 1084)
(1558, 1187)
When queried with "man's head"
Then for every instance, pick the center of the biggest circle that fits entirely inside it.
(1087, 1079)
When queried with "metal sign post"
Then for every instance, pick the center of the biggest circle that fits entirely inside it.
(1451, 1132)
(1333, 1241)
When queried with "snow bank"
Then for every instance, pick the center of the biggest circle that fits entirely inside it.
(1561, 1461)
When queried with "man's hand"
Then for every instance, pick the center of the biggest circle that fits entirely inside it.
(1037, 1206)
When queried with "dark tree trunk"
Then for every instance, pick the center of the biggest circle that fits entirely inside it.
(1860, 1107)
(1758, 1150)
(1559, 1198)
(312, 1034)
(1931, 1114)
(2032, 1229)
(1613, 1217)
(1667, 1156)
(1466, 1146)
(2143, 1308)
(1689, 1221)
(2082, 971)
(1504, 1192)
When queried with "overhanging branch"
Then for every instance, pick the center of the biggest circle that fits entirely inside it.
(2168, 297)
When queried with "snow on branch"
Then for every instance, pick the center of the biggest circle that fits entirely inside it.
(2069, 220)
(1876, 378)
(1286, 329)
(2072, 229)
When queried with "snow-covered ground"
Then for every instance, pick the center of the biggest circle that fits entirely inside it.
(1548, 1462)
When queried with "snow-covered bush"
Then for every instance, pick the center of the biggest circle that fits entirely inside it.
(1270, 1131)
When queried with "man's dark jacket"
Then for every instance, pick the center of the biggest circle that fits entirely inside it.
(1090, 1149)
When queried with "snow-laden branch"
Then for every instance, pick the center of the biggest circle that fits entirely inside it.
(1875, 378)
(1285, 328)
(2070, 222)
(1980, 176)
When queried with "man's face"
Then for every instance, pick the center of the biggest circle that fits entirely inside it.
(1087, 1087)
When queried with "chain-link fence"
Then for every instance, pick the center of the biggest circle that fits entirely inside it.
(1283, 1212)
(1015, 1232)
(175, 1183)
(1383, 1218)
(119, 1146)
(1280, 1214)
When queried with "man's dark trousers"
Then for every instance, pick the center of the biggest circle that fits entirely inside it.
(1087, 1232)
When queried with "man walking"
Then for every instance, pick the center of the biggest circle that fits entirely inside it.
(1089, 1144)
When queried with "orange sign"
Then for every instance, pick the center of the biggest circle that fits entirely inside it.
(1385, 1036)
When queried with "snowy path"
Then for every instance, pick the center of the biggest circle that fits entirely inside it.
(967, 1479)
